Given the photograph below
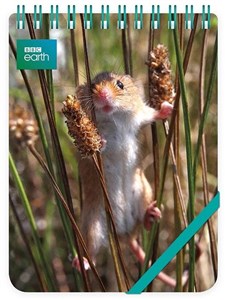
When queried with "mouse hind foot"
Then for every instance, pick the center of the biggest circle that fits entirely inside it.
(152, 214)
(77, 266)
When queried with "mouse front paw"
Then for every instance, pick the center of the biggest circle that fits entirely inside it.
(76, 264)
(152, 214)
(165, 110)
(104, 142)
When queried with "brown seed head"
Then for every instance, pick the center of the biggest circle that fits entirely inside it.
(161, 86)
(23, 128)
(81, 128)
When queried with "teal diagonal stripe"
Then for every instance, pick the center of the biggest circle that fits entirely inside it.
(176, 246)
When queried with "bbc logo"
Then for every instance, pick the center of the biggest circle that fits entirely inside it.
(32, 49)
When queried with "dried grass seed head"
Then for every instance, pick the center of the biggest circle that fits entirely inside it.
(161, 86)
(81, 128)
(22, 126)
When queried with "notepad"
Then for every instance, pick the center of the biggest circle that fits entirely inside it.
(58, 112)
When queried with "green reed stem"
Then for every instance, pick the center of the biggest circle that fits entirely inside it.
(26, 242)
(177, 201)
(97, 159)
(49, 74)
(127, 48)
(155, 148)
(112, 233)
(206, 109)
(149, 251)
(74, 57)
(67, 211)
(66, 224)
(213, 247)
(188, 145)
(35, 109)
(46, 148)
(45, 265)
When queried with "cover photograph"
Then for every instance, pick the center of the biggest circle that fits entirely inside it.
(113, 182)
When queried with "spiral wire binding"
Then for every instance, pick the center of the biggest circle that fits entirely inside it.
(206, 17)
(88, 22)
(105, 21)
(71, 17)
(172, 17)
(20, 23)
(155, 18)
(37, 23)
(138, 23)
(54, 17)
(189, 21)
(121, 20)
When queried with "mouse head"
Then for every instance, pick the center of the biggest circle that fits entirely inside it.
(113, 93)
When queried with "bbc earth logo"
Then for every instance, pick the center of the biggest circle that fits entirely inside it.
(36, 54)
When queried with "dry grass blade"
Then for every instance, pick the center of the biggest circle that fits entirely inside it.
(88, 142)
(213, 247)
(98, 163)
(71, 217)
(127, 48)
(168, 141)
(188, 144)
(53, 129)
(110, 215)
(74, 57)
(24, 237)
(178, 201)
(177, 179)
(57, 147)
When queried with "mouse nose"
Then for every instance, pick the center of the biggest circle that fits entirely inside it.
(105, 94)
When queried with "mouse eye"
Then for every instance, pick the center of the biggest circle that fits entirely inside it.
(120, 84)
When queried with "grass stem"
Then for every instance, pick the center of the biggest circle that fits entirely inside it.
(45, 265)
(191, 187)
(27, 244)
(68, 212)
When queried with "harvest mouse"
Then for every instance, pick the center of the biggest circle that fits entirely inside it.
(120, 114)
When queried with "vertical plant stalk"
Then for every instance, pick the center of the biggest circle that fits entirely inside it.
(45, 145)
(45, 265)
(25, 239)
(56, 143)
(213, 248)
(76, 78)
(87, 67)
(49, 75)
(191, 188)
(112, 232)
(54, 134)
(149, 252)
(114, 242)
(74, 57)
(76, 81)
(155, 148)
(181, 207)
(206, 107)
(127, 48)
(68, 212)
(177, 201)
(35, 109)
